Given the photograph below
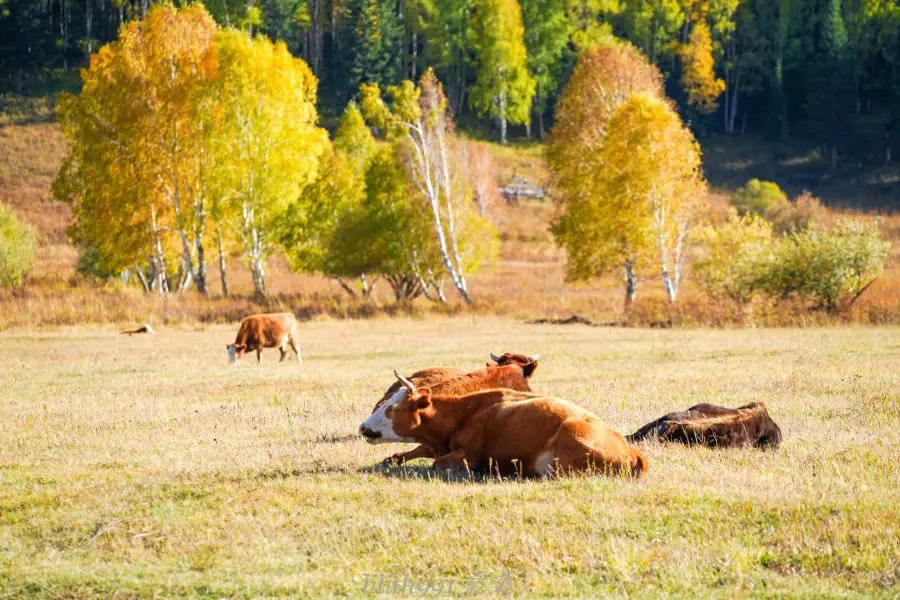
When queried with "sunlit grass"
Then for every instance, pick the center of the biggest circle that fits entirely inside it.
(145, 465)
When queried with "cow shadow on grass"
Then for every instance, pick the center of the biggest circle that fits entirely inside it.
(424, 472)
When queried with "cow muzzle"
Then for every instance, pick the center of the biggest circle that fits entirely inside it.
(370, 434)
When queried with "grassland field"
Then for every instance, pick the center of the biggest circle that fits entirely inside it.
(146, 466)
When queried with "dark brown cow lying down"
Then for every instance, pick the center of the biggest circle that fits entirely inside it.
(715, 426)
(511, 371)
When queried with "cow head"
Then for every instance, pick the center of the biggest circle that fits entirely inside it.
(528, 363)
(235, 352)
(398, 418)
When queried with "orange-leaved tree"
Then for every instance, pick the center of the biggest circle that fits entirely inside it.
(698, 75)
(597, 230)
(136, 128)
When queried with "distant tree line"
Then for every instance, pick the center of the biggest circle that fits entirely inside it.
(826, 70)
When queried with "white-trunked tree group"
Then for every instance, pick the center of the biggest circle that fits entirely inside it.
(186, 134)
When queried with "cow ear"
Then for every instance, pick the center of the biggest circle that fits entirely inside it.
(423, 401)
(529, 369)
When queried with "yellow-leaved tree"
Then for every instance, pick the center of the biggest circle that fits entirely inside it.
(598, 231)
(267, 141)
(179, 122)
(136, 131)
(698, 75)
(503, 87)
(651, 168)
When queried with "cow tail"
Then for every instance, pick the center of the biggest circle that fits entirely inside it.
(639, 463)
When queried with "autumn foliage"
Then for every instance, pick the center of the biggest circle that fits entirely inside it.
(181, 127)
(627, 171)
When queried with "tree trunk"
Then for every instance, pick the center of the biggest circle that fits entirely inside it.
(142, 278)
(631, 285)
(259, 276)
(503, 117)
(415, 56)
(345, 287)
(671, 290)
(158, 260)
(88, 23)
(367, 288)
(222, 265)
(201, 265)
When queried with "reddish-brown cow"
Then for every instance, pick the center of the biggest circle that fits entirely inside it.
(256, 332)
(514, 373)
(510, 432)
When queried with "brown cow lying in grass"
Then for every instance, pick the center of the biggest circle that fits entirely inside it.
(715, 426)
(278, 330)
(512, 371)
(145, 328)
(509, 432)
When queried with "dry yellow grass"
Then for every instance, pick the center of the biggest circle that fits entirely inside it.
(146, 466)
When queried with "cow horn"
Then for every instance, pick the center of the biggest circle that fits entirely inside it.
(494, 357)
(406, 382)
(535, 357)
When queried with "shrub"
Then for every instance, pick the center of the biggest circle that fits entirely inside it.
(765, 199)
(829, 267)
(759, 198)
(17, 244)
(805, 211)
(733, 257)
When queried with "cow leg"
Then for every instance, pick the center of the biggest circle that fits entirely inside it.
(465, 447)
(401, 457)
(648, 430)
(258, 355)
(451, 462)
(294, 347)
(283, 354)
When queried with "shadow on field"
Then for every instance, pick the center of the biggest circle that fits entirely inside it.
(428, 473)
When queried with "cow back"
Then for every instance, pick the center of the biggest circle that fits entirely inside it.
(265, 331)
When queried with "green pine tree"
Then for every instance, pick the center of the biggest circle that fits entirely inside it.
(377, 44)
(547, 39)
(830, 95)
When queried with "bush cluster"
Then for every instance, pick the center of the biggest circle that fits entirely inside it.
(829, 267)
(17, 245)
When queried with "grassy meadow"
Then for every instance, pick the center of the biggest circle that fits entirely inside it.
(146, 466)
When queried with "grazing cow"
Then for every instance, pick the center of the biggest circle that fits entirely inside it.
(509, 432)
(514, 373)
(256, 332)
(715, 426)
(145, 328)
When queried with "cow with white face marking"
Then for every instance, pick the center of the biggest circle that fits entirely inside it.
(510, 371)
(509, 432)
(278, 330)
